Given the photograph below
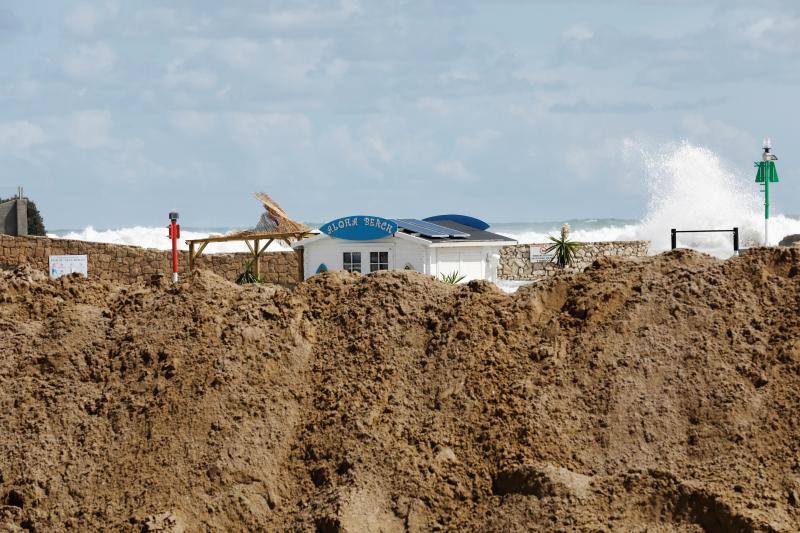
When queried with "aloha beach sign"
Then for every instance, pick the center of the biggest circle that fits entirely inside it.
(359, 228)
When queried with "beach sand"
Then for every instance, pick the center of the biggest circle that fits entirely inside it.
(658, 395)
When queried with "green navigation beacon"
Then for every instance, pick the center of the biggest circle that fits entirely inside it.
(767, 173)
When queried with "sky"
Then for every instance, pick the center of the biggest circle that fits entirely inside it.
(115, 113)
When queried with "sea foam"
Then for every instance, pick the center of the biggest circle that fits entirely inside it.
(689, 188)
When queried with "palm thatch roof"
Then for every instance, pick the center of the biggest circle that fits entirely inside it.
(275, 219)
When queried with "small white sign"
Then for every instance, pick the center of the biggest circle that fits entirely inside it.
(538, 254)
(61, 265)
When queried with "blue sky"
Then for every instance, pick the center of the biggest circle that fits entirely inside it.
(116, 112)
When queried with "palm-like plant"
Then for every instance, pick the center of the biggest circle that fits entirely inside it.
(452, 278)
(564, 248)
(248, 276)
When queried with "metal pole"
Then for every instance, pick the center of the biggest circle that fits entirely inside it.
(674, 238)
(736, 240)
(174, 234)
(766, 210)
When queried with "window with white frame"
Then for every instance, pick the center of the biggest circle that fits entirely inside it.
(378, 261)
(351, 261)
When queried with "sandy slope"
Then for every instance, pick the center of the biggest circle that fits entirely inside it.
(657, 395)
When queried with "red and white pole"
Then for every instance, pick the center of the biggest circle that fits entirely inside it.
(174, 234)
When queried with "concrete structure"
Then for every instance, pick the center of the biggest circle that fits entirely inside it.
(473, 252)
(516, 263)
(14, 216)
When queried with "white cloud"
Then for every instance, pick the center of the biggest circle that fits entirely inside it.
(239, 52)
(90, 128)
(379, 148)
(20, 135)
(578, 32)
(201, 78)
(193, 122)
(353, 151)
(89, 60)
(82, 20)
(268, 130)
(478, 140)
(716, 133)
(337, 68)
(309, 17)
(433, 105)
(772, 33)
(457, 75)
(23, 89)
(599, 159)
(456, 170)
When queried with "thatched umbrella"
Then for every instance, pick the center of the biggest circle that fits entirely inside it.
(274, 224)
(275, 219)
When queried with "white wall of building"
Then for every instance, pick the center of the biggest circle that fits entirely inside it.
(474, 262)
(330, 252)
(436, 259)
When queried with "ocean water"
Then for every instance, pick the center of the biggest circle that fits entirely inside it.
(688, 186)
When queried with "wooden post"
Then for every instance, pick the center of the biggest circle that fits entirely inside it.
(191, 257)
(300, 267)
(256, 256)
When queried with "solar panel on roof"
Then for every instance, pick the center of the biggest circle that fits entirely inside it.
(428, 229)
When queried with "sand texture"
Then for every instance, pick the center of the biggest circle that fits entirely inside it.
(660, 394)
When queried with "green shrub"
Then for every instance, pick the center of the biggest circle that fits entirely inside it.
(452, 278)
(35, 220)
(565, 249)
(247, 276)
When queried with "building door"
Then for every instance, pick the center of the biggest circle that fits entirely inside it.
(467, 263)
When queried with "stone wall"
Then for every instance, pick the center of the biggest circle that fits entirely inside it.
(130, 264)
(515, 262)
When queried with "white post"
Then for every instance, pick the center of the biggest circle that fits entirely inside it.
(174, 277)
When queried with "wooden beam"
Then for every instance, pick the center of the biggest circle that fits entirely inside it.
(297, 235)
(191, 257)
(200, 251)
(263, 248)
(251, 248)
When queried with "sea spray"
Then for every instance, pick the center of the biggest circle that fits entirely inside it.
(689, 187)
(156, 237)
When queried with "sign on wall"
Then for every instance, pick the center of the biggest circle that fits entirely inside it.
(359, 228)
(539, 253)
(61, 265)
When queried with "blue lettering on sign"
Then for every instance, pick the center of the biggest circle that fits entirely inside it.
(359, 228)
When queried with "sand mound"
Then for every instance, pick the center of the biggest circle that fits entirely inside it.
(651, 395)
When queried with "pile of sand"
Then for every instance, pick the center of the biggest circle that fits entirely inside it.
(654, 395)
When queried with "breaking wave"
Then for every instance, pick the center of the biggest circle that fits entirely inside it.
(689, 187)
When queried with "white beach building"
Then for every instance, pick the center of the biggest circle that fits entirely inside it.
(437, 246)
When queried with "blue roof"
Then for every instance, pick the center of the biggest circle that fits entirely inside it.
(429, 229)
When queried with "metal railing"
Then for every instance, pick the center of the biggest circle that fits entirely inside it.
(735, 232)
